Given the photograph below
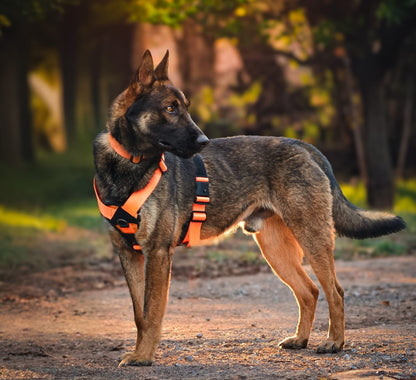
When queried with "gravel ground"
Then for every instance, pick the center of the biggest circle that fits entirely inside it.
(76, 322)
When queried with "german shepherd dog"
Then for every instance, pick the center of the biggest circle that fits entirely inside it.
(280, 190)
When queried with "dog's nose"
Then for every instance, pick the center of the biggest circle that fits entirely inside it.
(202, 140)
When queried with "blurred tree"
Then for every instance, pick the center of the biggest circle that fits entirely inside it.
(373, 33)
(196, 57)
(15, 126)
(359, 43)
(16, 19)
(68, 45)
(95, 51)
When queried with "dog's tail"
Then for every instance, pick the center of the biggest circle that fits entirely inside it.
(356, 223)
(350, 220)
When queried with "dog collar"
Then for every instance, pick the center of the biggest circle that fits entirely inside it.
(118, 148)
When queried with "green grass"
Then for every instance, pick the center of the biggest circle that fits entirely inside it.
(45, 207)
(393, 245)
(56, 190)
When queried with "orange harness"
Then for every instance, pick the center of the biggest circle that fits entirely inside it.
(126, 218)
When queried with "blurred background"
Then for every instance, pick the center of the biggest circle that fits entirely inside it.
(338, 74)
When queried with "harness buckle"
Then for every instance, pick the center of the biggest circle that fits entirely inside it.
(201, 188)
(162, 165)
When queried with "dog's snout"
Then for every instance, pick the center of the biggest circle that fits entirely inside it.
(202, 140)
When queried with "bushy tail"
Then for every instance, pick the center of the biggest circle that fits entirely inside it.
(350, 220)
(356, 223)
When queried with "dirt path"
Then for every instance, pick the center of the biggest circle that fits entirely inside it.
(223, 328)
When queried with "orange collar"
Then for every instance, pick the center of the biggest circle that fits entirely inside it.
(122, 152)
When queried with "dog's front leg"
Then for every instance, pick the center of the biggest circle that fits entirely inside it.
(148, 279)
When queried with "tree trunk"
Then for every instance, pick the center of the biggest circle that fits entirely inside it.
(259, 60)
(116, 61)
(26, 133)
(15, 119)
(380, 184)
(196, 58)
(407, 126)
(355, 121)
(69, 70)
(96, 78)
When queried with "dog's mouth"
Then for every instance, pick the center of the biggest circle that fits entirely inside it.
(164, 144)
(183, 151)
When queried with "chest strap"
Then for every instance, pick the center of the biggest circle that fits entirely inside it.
(126, 218)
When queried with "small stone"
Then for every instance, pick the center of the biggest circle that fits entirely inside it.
(199, 335)
(346, 357)
(189, 358)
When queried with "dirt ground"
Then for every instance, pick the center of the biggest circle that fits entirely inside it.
(75, 322)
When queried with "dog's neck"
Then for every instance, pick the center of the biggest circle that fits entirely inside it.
(122, 173)
(119, 149)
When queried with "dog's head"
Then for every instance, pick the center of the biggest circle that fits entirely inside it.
(151, 115)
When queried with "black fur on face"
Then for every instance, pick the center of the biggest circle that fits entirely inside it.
(160, 119)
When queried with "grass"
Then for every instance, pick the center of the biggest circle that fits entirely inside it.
(51, 206)
(393, 245)
(48, 209)
(55, 191)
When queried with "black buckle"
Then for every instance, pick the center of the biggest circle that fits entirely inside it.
(202, 189)
(124, 217)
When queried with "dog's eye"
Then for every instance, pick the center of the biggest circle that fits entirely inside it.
(170, 109)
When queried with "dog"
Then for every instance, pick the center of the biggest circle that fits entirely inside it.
(280, 190)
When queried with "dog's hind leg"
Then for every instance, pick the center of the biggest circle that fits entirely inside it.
(284, 254)
(317, 242)
(324, 268)
(148, 281)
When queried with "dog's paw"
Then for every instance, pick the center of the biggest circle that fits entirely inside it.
(329, 347)
(134, 359)
(294, 343)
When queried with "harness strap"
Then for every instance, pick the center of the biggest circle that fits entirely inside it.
(193, 227)
(126, 218)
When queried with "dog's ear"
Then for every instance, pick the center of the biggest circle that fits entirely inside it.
(145, 73)
(161, 71)
(142, 79)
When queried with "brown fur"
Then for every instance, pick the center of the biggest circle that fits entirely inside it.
(281, 190)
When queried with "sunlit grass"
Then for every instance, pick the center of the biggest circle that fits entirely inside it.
(49, 206)
(13, 218)
(356, 194)
(405, 200)
(396, 244)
